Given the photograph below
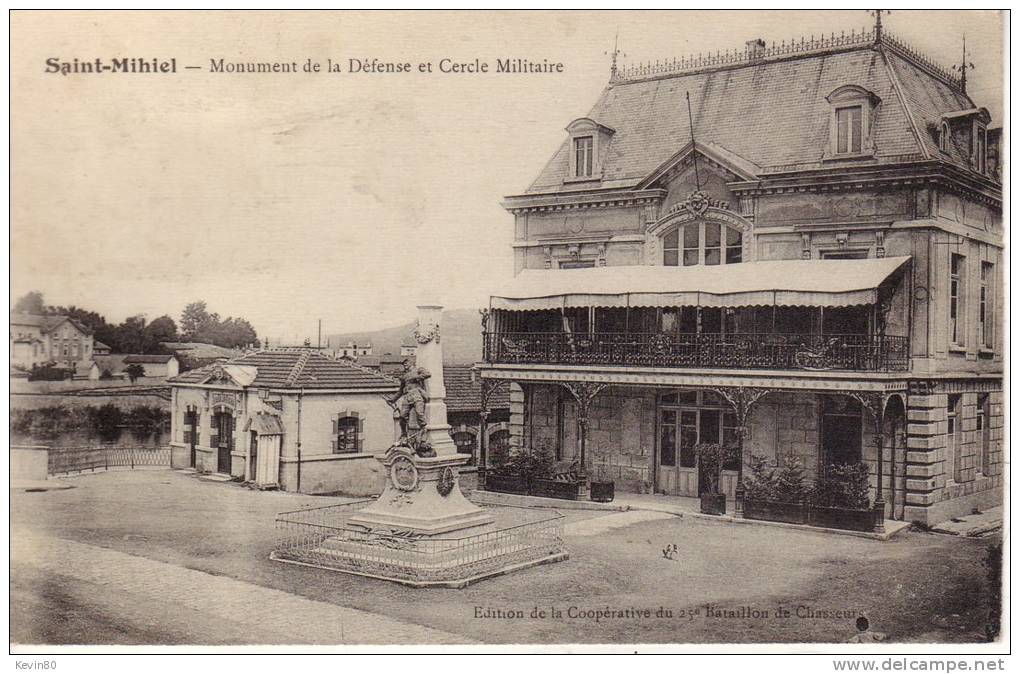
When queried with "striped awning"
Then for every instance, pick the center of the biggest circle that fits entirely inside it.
(811, 283)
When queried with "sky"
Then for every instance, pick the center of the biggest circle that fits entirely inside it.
(350, 198)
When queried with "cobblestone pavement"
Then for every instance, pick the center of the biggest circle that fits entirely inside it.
(153, 599)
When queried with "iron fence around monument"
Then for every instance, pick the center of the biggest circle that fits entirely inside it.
(325, 538)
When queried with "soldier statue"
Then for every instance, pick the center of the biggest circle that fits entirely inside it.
(409, 407)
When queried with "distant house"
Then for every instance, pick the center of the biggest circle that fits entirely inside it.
(463, 408)
(100, 349)
(155, 365)
(294, 419)
(352, 350)
(35, 340)
(408, 349)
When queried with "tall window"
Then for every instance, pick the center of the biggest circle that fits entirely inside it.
(583, 156)
(986, 308)
(686, 245)
(981, 427)
(848, 129)
(347, 440)
(952, 437)
(944, 137)
(956, 299)
(981, 149)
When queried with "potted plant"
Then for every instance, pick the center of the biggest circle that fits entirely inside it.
(602, 488)
(839, 498)
(504, 472)
(711, 458)
(543, 478)
(779, 495)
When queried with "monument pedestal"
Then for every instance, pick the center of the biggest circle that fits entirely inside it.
(422, 496)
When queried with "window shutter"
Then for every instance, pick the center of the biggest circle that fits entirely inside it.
(335, 429)
(333, 444)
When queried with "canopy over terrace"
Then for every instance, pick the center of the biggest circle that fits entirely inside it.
(811, 283)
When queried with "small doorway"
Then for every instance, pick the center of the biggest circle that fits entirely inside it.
(253, 457)
(841, 434)
(224, 423)
(191, 429)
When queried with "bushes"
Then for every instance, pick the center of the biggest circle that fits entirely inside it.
(105, 422)
(842, 486)
(787, 484)
(50, 373)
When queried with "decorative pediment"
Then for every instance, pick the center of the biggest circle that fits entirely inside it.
(710, 157)
(218, 376)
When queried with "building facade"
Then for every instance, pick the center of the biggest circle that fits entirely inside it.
(38, 340)
(812, 270)
(472, 431)
(288, 419)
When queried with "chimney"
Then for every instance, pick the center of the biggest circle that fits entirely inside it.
(755, 49)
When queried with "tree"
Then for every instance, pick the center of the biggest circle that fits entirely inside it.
(31, 303)
(194, 320)
(134, 371)
(130, 335)
(162, 329)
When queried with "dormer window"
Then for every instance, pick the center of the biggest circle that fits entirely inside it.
(588, 143)
(944, 138)
(981, 149)
(583, 156)
(848, 129)
(854, 110)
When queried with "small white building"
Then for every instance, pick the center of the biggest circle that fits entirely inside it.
(290, 419)
(155, 365)
(352, 350)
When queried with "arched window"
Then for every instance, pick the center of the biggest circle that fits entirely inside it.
(465, 442)
(944, 137)
(707, 243)
(348, 437)
(499, 440)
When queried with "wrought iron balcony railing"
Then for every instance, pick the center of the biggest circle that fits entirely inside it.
(870, 353)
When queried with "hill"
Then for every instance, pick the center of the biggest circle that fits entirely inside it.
(462, 337)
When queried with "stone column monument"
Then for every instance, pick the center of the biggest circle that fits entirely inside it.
(422, 494)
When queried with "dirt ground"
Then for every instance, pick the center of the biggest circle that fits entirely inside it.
(729, 583)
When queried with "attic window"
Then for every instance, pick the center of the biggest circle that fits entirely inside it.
(853, 114)
(944, 137)
(583, 163)
(848, 129)
(588, 143)
(981, 149)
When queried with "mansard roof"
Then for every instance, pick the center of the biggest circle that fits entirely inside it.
(769, 112)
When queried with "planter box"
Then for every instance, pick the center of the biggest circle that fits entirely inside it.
(776, 511)
(603, 492)
(557, 489)
(507, 484)
(841, 518)
(713, 504)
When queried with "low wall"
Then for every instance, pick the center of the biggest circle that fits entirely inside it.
(347, 474)
(29, 463)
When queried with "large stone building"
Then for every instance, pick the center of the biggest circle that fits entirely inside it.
(292, 419)
(814, 269)
(38, 340)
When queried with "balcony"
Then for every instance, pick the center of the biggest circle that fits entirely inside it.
(742, 351)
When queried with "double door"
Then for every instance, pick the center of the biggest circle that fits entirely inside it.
(678, 472)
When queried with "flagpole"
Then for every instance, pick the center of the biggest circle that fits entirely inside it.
(694, 151)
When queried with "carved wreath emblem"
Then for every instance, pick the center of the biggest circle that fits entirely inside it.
(697, 203)
(445, 484)
(427, 335)
(404, 474)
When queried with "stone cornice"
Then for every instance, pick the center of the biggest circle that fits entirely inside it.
(581, 200)
(833, 179)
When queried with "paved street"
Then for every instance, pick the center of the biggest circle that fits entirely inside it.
(161, 557)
